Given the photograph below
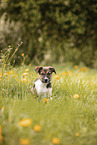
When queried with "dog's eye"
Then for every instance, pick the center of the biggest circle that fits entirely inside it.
(42, 73)
(48, 73)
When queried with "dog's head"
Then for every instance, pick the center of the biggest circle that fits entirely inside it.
(45, 73)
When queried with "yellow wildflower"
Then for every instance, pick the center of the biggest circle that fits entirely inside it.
(85, 67)
(22, 54)
(25, 122)
(76, 96)
(69, 72)
(81, 69)
(86, 70)
(45, 100)
(0, 75)
(6, 74)
(21, 42)
(15, 76)
(11, 72)
(26, 70)
(91, 83)
(37, 128)
(2, 109)
(76, 66)
(25, 74)
(57, 77)
(56, 141)
(63, 73)
(24, 141)
(77, 134)
(9, 46)
(23, 80)
(30, 64)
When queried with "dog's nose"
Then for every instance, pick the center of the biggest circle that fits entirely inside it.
(46, 79)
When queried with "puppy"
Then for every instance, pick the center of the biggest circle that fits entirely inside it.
(42, 85)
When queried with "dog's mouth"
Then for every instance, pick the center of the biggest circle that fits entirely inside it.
(45, 81)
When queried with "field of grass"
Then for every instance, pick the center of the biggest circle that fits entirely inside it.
(67, 119)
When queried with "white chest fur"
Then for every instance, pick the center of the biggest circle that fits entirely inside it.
(42, 89)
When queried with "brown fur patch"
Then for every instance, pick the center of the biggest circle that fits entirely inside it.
(44, 72)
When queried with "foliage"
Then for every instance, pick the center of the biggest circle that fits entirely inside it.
(55, 26)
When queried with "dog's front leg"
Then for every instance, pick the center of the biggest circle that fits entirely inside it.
(50, 93)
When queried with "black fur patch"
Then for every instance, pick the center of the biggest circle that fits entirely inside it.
(49, 85)
(33, 86)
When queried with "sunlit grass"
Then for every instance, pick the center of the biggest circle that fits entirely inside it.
(69, 118)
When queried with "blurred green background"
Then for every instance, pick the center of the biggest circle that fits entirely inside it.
(52, 31)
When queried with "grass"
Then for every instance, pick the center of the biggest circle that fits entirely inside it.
(72, 121)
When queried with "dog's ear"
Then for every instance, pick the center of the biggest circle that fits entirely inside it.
(38, 68)
(52, 69)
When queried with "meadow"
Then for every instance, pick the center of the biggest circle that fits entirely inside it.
(70, 118)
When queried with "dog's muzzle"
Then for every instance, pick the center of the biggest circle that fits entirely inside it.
(45, 80)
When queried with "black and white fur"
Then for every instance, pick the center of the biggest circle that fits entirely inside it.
(42, 85)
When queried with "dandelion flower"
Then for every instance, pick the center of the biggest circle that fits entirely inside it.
(56, 141)
(6, 74)
(63, 74)
(11, 72)
(75, 96)
(26, 70)
(23, 80)
(15, 76)
(76, 66)
(85, 67)
(30, 64)
(22, 54)
(57, 77)
(37, 128)
(25, 74)
(25, 122)
(86, 70)
(45, 100)
(70, 72)
(81, 69)
(24, 141)
(2, 109)
(77, 134)
(9, 46)
(91, 83)
(0, 75)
